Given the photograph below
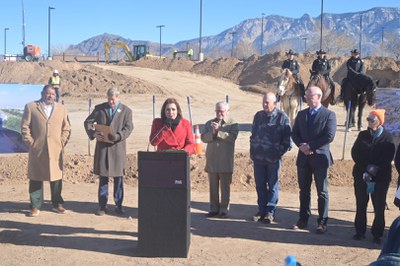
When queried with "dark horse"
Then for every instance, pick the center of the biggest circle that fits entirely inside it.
(319, 81)
(359, 90)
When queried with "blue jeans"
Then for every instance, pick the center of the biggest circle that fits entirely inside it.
(321, 183)
(267, 186)
(118, 191)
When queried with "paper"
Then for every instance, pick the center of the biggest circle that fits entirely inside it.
(105, 130)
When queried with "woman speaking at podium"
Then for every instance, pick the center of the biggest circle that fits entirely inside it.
(172, 131)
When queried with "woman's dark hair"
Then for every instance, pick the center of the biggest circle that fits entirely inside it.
(168, 101)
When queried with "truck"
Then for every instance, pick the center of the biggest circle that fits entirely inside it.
(31, 53)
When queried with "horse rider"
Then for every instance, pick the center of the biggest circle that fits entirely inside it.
(291, 64)
(355, 66)
(322, 66)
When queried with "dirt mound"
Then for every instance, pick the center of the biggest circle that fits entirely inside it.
(79, 80)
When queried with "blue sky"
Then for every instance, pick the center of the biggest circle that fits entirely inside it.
(73, 21)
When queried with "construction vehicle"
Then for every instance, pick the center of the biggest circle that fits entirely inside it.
(31, 53)
(139, 51)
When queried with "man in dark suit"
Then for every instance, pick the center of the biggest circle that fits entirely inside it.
(313, 130)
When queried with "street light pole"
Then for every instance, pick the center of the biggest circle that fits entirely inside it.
(359, 46)
(262, 32)
(201, 28)
(160, 26)
(5, 42)
(233, 35)
(322, 12)
(383, 28)
(305, 44)
(48, 49)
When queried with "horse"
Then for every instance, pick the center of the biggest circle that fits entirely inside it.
(289, 92)
(318, 80)
(359, 91)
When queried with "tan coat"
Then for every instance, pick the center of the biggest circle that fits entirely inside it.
(46, 138)
(220, 147)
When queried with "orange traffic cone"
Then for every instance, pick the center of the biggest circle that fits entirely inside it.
(197, 140)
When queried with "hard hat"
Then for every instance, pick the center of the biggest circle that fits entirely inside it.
(55, 71)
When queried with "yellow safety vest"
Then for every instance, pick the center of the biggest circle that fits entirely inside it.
(55, 80)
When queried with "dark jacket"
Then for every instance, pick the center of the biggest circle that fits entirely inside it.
(292, 65)
(318, 136)
(378, 152)
(355, 66)
(270, 136)
(390, 253)
(322, 66)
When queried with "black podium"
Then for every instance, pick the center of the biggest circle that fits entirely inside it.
(164, 204)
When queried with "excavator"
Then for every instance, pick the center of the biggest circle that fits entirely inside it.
(139, 51)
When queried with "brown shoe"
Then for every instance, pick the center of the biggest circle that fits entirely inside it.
(321, 228)
(300, 225)
(60, 209)
(34, 212)
(269, 219)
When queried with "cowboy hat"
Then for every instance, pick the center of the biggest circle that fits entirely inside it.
(290, 52)
(355, 51)
(321, 51)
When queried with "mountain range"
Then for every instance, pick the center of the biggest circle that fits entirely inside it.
(375, 29)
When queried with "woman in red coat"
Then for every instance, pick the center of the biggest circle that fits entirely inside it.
(172, 131)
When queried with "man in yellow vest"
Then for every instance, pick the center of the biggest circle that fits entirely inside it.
(55, 82)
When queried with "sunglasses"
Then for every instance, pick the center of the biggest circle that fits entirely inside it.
(370, 119)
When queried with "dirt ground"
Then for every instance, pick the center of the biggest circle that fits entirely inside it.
(83, 238)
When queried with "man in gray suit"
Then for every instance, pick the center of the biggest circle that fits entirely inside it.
(313, 130)
(110, 154)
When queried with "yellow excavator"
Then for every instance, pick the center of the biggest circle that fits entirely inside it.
(139, 51)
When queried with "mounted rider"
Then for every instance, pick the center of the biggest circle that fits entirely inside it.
(322, 66)
(291, 64)
(355, 66)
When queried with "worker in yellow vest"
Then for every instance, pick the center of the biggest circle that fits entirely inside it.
(55, 81)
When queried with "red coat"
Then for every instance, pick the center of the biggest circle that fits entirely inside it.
(166, 139)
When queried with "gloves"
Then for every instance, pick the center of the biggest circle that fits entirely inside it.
(367, 177)
(169, 122)
(114, 137)
(372, 169)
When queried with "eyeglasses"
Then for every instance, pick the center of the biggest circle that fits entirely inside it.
(370, 119)
(220, 111)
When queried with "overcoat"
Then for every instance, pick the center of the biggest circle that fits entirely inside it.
(46, 138)
(110, 159)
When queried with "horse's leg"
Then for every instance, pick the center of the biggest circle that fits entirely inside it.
(293, 109)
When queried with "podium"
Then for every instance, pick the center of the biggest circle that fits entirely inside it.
(164, 204)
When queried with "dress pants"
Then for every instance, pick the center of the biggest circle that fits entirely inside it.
(267, 186)
(36, 193)
(225, 180)
(118, 191)
(305, 174)
(378, 202)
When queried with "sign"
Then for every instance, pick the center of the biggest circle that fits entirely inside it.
(13, 98)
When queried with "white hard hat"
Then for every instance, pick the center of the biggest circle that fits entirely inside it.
(55, 71)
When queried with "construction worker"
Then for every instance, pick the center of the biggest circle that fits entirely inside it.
(322, 66)
(355, 65)
(294, 67)
(174, 53)
(190, 53)
(55, 81)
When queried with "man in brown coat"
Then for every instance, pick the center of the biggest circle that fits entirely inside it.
(46, 129)
(110, 153)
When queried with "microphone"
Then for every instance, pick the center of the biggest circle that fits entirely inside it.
(158, 133)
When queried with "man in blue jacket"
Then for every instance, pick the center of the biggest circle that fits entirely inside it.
(269, 140)
(313, 130)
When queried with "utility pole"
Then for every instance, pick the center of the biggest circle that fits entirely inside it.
(23, 24)
(201, 23)
(160, 26)
(49, 51)
(359, 45)
(262, 32)
(233, 36)
(322, 12)
(383, 28)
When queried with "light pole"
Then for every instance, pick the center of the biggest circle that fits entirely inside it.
(48, 50)
(383, 28)
(359, 45)
(201, 28)
(5, 42)
(160, 26)
(305, 44)
(233, 36)
(262, 32)
(322, 12)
